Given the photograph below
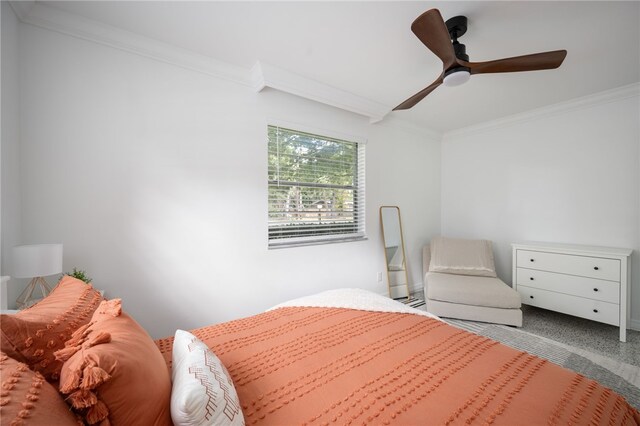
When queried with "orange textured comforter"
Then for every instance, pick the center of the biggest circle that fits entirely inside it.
(334, 365)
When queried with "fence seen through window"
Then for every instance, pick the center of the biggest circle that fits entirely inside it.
(316, 188)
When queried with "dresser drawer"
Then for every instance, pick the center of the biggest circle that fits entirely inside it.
(591, 288)
(584, 266)
(595, 310)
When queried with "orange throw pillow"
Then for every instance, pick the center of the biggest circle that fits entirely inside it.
(26, 398)
(34, 334)
(113, 371)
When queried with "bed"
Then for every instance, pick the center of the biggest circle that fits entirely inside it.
(343, 356)
(353, 357)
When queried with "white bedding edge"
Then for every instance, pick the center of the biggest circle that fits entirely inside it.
(353, 298)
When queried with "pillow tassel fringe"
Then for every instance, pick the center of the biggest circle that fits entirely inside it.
(79, 419)
(64, 354)
(101, 337)
(97, 413)
(111, 307)
(93, 376)
(83, 399)
(72, 382)
(78, 335)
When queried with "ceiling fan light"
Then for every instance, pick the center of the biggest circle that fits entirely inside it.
(456, 76)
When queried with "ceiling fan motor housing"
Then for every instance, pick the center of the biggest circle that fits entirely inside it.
(457, 27)
(461, 51)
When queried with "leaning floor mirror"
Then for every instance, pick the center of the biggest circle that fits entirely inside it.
(394, 252)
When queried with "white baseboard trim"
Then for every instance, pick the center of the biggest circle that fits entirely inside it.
(415, 288)
(634, 324)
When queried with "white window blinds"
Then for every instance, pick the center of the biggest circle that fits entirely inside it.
(316, 188)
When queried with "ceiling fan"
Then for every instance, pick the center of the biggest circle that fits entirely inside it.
(442, 39)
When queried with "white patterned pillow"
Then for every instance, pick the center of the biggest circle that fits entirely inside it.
(203, 393)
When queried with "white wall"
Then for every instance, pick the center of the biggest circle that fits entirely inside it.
(10, 224)
(154, 178)
(572, 177)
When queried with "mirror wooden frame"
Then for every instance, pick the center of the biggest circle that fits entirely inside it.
(404, 255)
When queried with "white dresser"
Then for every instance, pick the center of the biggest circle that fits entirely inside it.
(585, 281)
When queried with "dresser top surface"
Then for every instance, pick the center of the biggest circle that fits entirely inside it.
(573, 248)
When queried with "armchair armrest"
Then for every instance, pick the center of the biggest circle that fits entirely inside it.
(426, 260)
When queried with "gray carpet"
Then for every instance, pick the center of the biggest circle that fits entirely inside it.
(593, 336)
(619, 376)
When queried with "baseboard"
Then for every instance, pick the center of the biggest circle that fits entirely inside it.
(634, 324)
(415, 288)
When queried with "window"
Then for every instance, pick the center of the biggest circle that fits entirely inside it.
(316, 188)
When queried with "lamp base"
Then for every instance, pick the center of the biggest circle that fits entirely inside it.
(26, 297)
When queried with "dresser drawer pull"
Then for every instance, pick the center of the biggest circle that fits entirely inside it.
(595, 289)
(595, 311)
(595, 268)
(531, 297)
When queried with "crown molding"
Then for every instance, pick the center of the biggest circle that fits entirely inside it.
(600, 98)
(22, 8)
(409, 126)
(260, 76)
(49, 18)
(266, 75)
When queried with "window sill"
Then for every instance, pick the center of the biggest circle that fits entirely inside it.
(288, 244)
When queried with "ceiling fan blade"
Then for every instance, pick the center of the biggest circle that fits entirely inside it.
(534, 62)
(420, 95)
(432, 31)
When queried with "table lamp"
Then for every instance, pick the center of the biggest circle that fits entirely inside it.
(36, 261)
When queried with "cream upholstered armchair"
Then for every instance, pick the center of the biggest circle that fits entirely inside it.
(460, 282)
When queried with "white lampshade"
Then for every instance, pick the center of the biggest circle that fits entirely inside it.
(37, 260)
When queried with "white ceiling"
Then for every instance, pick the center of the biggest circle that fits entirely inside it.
(368, 49)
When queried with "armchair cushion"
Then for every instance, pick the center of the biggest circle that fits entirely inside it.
(462, 257)
(469, 290)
